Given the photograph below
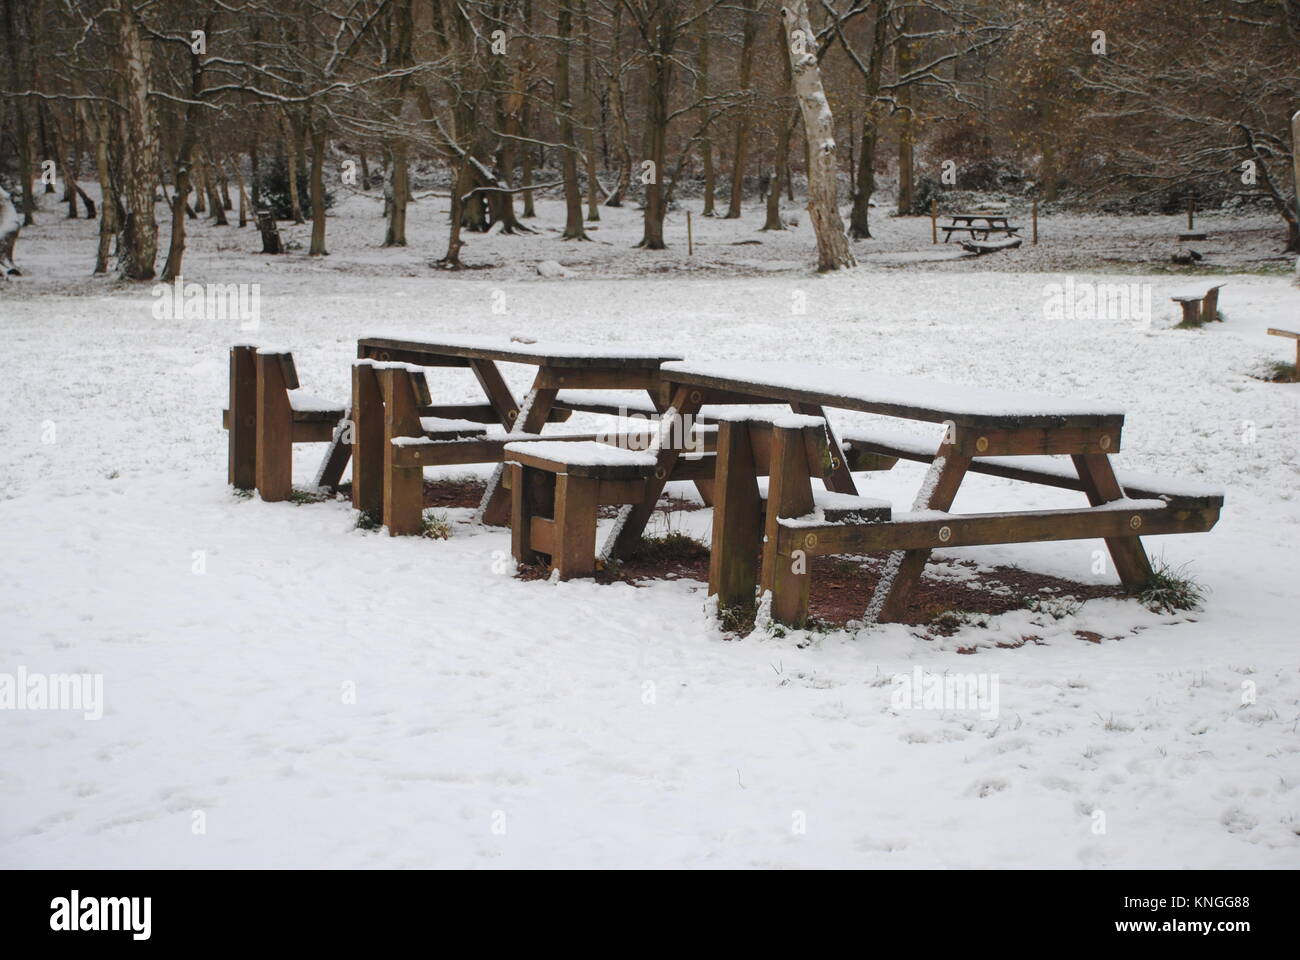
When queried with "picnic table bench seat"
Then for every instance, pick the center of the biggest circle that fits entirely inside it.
(556, 490)
(873, 449)
(266, 414)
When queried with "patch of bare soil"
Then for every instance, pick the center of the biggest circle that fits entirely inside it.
(950, 593)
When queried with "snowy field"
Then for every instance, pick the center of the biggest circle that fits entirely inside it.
(310, 694)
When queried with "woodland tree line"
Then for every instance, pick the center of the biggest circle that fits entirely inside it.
(657, 103)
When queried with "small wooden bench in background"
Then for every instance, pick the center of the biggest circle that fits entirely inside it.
(1202, 309)
(1273, 331)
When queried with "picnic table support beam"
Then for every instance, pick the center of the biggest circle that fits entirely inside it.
(903, 569)
(1100, 486)
(499, 396)
(403, 485)
(686, 401)
(789, 494)
(737, 519)
(494, 510)
(274, 469)
(836, 473)
(367, 440)
(241, 467)
(337, 455)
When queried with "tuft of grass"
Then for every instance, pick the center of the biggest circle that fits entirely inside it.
(435, 526)
(673, 547)
(1170, 590)
(1281, 371)
(300, 497)
(370, 520)
(1058, 608)
(737, 618)
(243, 494)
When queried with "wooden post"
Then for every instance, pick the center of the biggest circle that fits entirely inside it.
(1100, 486)
(521, 512)
(789, 494)
(241, 468)
(1035, 220)
(737, 519)
(367, 440)
(1295, 163)
(1191, 209)
(403, 486)
(934, 220)
(690, 236)
(274, 469)
(890, 599)
(574, 549)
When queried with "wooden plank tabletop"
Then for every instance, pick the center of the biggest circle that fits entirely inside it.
(908, 397)
(548, 353)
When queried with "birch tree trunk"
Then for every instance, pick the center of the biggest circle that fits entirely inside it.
(819, 131)
(140, 170)
(1295, 164)
(589, 117)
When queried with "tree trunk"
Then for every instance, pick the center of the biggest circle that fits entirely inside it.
(573, 229)
(904, 62)
(1295, 163)
(96, 122)
(239, 185)
(706, 142)
(774, 221)
(819, 131)
(589, 117)
(22, 126)
(215, 200)
(140, 232)
(291, 169)
(658, 70)
(316, 126)
(395, 197)
(749, 30)
(618, 107)
(860, 218)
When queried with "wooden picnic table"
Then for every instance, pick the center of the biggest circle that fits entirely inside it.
(561, 366)
(992, 223)
(980, 424)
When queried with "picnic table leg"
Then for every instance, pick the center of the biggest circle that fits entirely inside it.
(499, 396)
(527, 489)
(1101, 486)
(633, 518)
(574, 548)
(367, 440)
(789, 494)
(403, 486)
(737, 519)
(494, 508)
(336, 455)
(705, 488)
(839, 479)
(274, 431)
(903, 568)
(241, 466)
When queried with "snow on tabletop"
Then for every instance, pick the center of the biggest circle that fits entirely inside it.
(437, 424)
(304, 402)
(872, 388)
(775, 414)
(272, 351)
(389, 365)
(528, 347)
(585, 453)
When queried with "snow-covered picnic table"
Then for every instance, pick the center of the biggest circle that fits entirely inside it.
(991, 223)
(567, 366)
(980, 424)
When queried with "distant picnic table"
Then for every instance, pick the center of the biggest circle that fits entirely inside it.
(991, 223)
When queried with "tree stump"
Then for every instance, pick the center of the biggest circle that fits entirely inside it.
(271, 242)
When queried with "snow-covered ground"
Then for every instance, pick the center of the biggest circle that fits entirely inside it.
(312, 694)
